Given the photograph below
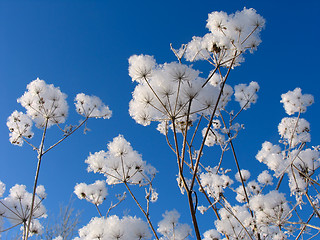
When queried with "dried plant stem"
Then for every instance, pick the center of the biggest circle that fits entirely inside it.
(40, 154)
(242, 182)
(208, 127)
(98, 209)
(189, 192)
(144, 212)
(304, 227)
(62, 139)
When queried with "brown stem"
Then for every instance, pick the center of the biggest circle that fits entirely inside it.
(86, 119)
(208, 127)
(145, 214)
(40, 154)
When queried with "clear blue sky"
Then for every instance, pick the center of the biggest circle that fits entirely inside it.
(84, 46)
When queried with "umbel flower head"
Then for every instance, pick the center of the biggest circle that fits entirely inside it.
(44, 102)
(171, 91)
(94, 193)
(16, 206)
(19, 125)
(229, 37)
(46, 105)
(113, 228)
(91, 107)
(121, 164)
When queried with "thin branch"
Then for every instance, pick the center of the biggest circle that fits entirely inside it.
(145, 214)
(40, 154)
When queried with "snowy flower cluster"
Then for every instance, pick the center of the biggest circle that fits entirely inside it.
(94, 193)
(246, 95)
(219, 135)
(294, 130)
(214, 183)
(44, 102)
(170, 227)
(270, 211)
(46, 105)
(114, 228)
(91, 107)
(16, 207)
(233, 221)
(121, 164)
(211, 234)
(19, 125)
(213, 138)
(294, 101)
(300, 164)
(171, 91)
(229, 37)
(252, 187)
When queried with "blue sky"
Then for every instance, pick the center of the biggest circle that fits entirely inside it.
(84, 46)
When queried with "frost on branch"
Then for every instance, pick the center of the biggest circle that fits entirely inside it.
(170, 227)
(94, 193)
(113, 228)
(91, 107)
(19, 125)
(121, 164)
(229, 37)
(44, 101)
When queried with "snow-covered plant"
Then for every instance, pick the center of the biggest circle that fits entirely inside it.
(181, 100)
(127, 228)
(196, 112)
(46, 106)
(16, 207)
(230, 36)
(294, 158)
(170, 227)
(120, 165)
(94, 193)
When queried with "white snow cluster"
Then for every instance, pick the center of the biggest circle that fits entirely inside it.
(94, 193)
(294, 101)
(170, 227)
(214, 137)
(91, 107)
(270, 211)
(211, 234)
(214, 183)
(19, 125)
(246, 95)
(229, 37)
(298, 162)
(46, 105)
(114, 228)
(294, 131)
(44, 102)
(121, 164)
(231, 220)
(171, 91)
(16, 207)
